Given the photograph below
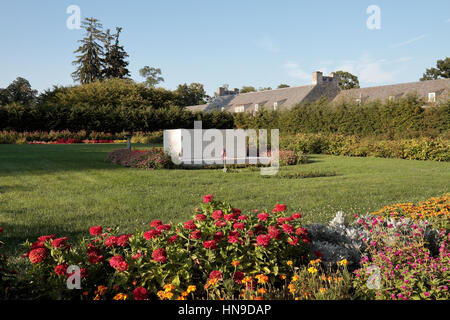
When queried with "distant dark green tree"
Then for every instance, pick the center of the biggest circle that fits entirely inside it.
(264, 88)
(246, 89)
(190, 95)
(152, 76)
(89, 59)
(19, 91)
(115, 65)
(281, 86)
(347, 80)
(442, 70)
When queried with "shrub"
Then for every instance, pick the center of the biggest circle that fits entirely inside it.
(220, 247)
(154, 158)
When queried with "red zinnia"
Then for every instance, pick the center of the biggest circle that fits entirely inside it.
(287, 228)
(136, 256)
(208, 198)
(293, 240)
(200, 217)
(210, 244)
(159, 255)
(163, 227)
(239, 225)
(263, 216)
(197, 234)
(155, 223)
(60, 242)
(233, 236)
(140, 293)
(123, 239)
(218, 214)
(238, 277)
(111, 241)
(172, 239)
(280, 207)
(243, 217)
(37, 255)
(61, 269)
(296, 216)
(150, 234)
(218, 236)
(220, 223)
(190, 225)
(95, 230)
(216, 274)
(274, 232)
(118, 263)
(46, 238)
(262, 240)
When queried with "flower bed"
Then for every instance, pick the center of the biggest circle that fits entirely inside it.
(223, 253)
(82, 136)
(154, 158)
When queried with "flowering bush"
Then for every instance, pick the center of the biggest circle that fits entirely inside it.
(399, 262)
(288, 157)
(219, 248)
(82, 136)
(435, 210)
(154, 158)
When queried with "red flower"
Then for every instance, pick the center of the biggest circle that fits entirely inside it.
(220, 223)
(263, 216)
(233, 236)
(208, 198)
(229, 217)
(136, 256)
(210, 244)
(243, 217)
(280, 207)
(287, 228)
(59, 243)
(46, 238)
(172, 239)
(150, 234)
(94, 258)
(123, 239)
(218, 214)
(216, 274)
(118, 263)
(239, 225)
(1, 229)
(200, 217)
(302, 232)
(61, 269)
(37, 255)
(274, 232)
(293, 240)
(238, 277)
(218, 236)
(259, 229)
(190, 225)
(296, 216)
(95, 230)
(155, 223)
(163, 227)
(111, 241)
(262, 240)
(159, 255)
(197, 234)
(140, 293)
(236, 211)
(318, 254)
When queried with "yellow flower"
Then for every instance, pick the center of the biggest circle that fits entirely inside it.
(343, 262)
(322, 290)
(101, 290)
(169, 295)
(247, 279)
(289, 263)
(317, 261)
(120, 296)
(295, 278)
(262, 278)
(282, 276)
(312, 270)
(168, 287)
(181, 298)
(161, 294)
(191, 289)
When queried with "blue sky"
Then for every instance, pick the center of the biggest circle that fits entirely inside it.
(247, 42)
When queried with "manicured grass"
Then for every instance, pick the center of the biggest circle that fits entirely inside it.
(64, 189)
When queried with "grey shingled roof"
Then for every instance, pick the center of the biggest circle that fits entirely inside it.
(286, 97)
(422, 88)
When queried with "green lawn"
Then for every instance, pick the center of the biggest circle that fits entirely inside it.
(64, 189)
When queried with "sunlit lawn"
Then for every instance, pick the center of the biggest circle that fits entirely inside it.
(64, 189)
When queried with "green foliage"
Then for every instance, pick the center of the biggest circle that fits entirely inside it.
(152, 76)
(246, 89)
(347, 80)
(442, 70)
(190, 95)
(115, 55)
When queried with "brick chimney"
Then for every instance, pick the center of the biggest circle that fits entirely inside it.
(317, 77)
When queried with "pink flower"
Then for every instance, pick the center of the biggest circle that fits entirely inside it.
(200, 217)
(151, 234)
(263, 216)
(155, 223)
(262, 240)
(287, 228)
(280, 207)
(197, 234)
(118, 263)
(210, 244)
(190, 225)
(95, 230)
(159, 255)
(216, 274)
(239, 225)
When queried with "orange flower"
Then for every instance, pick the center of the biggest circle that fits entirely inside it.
(262, 278)
(235, 263)
(120, 296)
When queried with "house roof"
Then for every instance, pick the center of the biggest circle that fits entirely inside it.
(422, 88)
(285, 97)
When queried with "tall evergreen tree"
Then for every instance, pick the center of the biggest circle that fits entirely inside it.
(115, 55)
(90, 53)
